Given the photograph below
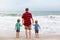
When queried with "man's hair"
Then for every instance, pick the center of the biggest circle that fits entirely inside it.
(27, 9)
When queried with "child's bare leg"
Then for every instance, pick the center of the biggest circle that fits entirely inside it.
(17, 34)
(36, 35)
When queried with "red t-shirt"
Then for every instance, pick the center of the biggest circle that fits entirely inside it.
(27, 18)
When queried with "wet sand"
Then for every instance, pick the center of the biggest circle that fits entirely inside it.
(10, 35)
(42, 37)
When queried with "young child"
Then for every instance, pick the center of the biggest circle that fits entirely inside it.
(18, 25)
(36, 29)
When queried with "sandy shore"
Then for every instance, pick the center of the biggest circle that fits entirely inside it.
(42, 37)
(10, 35)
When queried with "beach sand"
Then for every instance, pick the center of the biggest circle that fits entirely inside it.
(9, 35)
(51, 37)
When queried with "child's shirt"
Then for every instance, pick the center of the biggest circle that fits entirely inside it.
(36, 26)
(18, 25)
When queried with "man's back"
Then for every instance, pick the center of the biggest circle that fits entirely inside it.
(27, 16)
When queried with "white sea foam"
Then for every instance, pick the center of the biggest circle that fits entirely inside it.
(48, 24)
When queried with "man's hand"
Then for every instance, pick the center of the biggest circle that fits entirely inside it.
(32, 21)
(22, 22)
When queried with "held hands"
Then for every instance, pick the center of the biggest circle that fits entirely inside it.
(32, 22)
(39, 27)
(14, 28)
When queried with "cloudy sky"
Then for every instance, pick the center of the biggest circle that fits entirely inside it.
(34, 5)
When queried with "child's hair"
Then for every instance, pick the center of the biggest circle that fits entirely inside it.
(18, 20)
(36, 21)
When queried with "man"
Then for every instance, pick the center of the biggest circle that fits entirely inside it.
(27, 22)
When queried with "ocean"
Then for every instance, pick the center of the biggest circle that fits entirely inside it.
(49, 22)
(34, 13)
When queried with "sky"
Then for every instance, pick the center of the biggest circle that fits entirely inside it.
(33, 5)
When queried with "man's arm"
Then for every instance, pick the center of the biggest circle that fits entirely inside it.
(22, 21)
(32, 21)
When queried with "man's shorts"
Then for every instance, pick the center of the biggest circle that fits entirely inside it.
(28, 27)
(17, 30)
(36, 31)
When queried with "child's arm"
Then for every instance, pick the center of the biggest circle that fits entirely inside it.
(15, 27)
(39, 27)
(20, 25)
(33, 25)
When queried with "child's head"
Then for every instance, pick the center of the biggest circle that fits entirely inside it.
(18, 20)
(36, 21)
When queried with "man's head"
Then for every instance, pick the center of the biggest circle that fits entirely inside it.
(27, 9)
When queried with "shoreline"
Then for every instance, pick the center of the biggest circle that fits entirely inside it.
(42, 37)
(10, 35)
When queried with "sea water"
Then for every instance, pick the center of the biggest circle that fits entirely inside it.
(49, 22)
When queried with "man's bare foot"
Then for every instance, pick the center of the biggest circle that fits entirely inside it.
(36, 37)
(17, 37)
(29, 36)
(26, 37)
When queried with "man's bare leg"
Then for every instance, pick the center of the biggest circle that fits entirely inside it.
(29, 33)
(26, 32)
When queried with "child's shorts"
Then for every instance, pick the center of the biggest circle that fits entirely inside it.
(17, 30)
(36, 31)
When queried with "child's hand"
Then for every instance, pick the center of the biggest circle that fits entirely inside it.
(39, 27)
(14, 28)
(21, 25)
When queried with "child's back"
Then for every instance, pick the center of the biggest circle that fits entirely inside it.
(36, 26)
(36, 29)
(18, 25)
